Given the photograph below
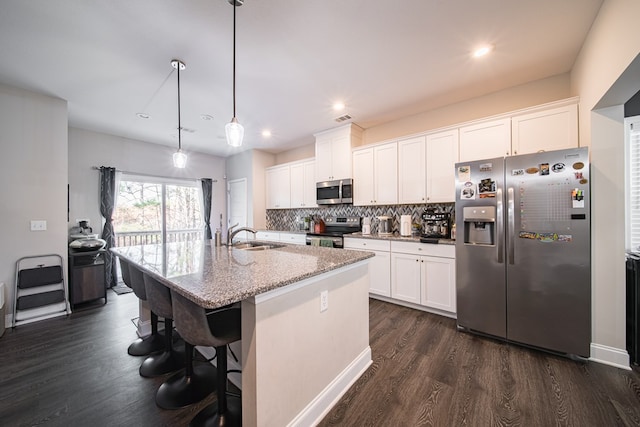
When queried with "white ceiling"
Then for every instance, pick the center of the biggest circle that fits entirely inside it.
(385, 59)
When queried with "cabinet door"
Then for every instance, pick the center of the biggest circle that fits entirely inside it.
(309, 184)
(380, 274)
(341, 158)
(442, 155)
(412, 175)
(548, 130)
(363, 178)
(438, 283)
(385, 174)
(296, 176)
(323, 159)
(485, 140)
(278, 188)
(405, 277)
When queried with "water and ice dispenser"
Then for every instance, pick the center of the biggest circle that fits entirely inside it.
(479, 225)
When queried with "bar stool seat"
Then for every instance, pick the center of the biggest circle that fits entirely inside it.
(216, 328)
(159, 298)
(132, 277)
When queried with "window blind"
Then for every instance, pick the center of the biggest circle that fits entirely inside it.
(633, 183)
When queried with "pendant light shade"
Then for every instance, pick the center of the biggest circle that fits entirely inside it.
(233, 129)
(235, 132)
(179, 157)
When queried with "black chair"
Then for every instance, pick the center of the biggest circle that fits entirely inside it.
(216, 328)
(132, 277)
(159, 299)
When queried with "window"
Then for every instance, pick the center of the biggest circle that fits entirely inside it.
(632, 138)
(150, 210)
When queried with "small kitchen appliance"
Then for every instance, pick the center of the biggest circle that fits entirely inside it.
(405, 225)
(385, 225)
(366, 225)
(437, 225)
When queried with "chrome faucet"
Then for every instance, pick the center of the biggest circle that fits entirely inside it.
(232, 234)
(229, 233)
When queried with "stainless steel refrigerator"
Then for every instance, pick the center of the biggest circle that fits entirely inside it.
(523, 249)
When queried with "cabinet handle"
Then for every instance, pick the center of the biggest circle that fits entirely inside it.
(417, 260)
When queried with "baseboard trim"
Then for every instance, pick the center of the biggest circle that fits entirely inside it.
(610, 356)
(319, 407)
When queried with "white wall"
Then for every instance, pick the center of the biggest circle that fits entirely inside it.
(88, 149)
(606, 58)
(251, 164)
(33, 179)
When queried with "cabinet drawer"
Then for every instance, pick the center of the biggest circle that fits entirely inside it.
(367, 244)
(268, 235)
(293, 238)
(444, 251)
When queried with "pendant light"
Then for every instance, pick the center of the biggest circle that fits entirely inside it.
(179, 158)
(233, 129)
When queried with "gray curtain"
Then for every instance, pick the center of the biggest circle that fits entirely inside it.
(207, 183)
(107, 202)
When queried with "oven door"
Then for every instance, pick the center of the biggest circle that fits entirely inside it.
(328, 193)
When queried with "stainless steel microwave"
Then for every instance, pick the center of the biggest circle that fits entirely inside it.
(335, 192)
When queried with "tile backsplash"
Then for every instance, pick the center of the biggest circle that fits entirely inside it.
(289, 219)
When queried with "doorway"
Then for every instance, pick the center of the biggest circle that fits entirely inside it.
(237, 203)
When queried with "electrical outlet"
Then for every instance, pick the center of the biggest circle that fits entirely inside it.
(38, 225)
(324, 301)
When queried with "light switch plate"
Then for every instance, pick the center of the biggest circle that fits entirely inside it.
(38, 225)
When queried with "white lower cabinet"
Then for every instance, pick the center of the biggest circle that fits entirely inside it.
(269, 236)
(424, 274)
(406, 275)
(438, 283)
(379, 266)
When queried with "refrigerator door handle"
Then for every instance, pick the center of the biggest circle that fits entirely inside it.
(511, 224)
(500, 227)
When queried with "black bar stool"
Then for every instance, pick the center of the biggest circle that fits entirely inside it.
(159, 298)
(132, 277)
(216, 328)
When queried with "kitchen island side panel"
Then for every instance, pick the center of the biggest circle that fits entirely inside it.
(295, 357)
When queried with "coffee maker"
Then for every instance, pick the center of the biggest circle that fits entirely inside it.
(437, 225)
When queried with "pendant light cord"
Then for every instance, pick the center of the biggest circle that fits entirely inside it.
(179, 124)
(234, 58)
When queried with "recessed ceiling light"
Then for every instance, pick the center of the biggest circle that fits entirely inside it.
(143, 116)
(482, 51)
(338, 106)
(266, 133)
(206, 117)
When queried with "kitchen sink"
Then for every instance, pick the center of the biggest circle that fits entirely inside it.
(256, 246)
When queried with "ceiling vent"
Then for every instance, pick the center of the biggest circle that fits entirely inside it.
(343, 118)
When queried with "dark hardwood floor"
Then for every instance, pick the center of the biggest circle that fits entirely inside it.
(426, 373)
(75, 371)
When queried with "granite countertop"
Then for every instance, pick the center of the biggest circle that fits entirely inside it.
(397, 237)
(216, 276)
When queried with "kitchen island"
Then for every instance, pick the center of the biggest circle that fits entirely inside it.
(298, 356)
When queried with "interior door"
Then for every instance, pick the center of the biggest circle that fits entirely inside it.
(237, 203)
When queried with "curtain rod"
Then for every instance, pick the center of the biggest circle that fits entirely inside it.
(152, 176)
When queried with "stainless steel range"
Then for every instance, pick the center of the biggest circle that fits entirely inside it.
(335, 229)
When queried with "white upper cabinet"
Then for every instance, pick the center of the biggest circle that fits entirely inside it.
(442, 156)
(333, 152)
(375, 175)
(485, 140)
(303, 185)
(546, 130)
(278, 183)
(412, 171)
